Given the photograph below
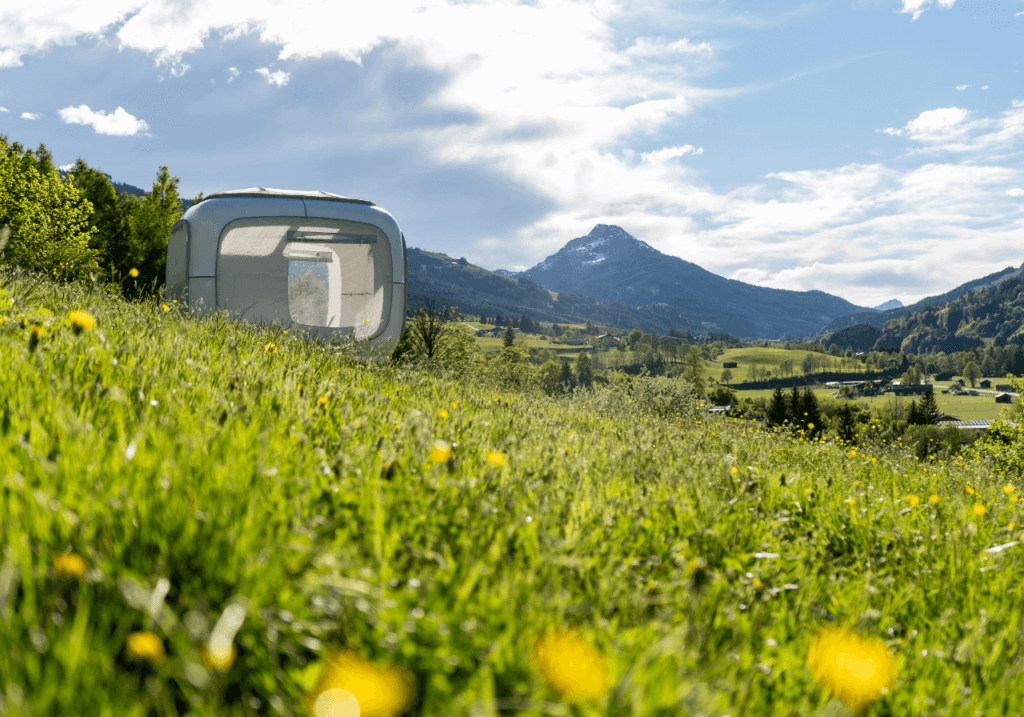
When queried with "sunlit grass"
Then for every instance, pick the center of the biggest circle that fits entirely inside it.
(192, 522)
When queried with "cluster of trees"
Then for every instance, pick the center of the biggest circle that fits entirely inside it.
(78, 225)
(798, 409)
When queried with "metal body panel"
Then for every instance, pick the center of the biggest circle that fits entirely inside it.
(209, 222)
(368, 215)
(209, 217)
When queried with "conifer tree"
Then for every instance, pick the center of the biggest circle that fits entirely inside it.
(796, 407)
(928, 412)
(810, 407)
(777, 409)
(913, 414)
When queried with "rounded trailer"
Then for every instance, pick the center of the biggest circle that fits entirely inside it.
(325, 265)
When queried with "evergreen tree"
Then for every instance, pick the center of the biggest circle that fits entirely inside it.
(913, 414)
(149, 223)
(844, 423)
(567, 380)
(810, 406)
(777, 409)
(508, 337)
(584, 371)
(796, 407)
(929, 412)
(110, 242)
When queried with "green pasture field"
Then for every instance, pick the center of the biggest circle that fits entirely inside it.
(967, 408)
(770, 358)
(203, 468)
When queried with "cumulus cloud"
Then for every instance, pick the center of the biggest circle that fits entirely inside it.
(66, 167)
(663, 155)
(952, 129)
(1015, 192)
(119, 123)
(4, 109)
(30, 115)
(30, 27)
(233, 71)
(961, 88)
(279, 78)
(916, 7)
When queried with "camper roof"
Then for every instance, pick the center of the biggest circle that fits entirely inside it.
(294, 193)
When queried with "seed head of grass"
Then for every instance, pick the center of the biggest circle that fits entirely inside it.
(573, 668)
(854, 669)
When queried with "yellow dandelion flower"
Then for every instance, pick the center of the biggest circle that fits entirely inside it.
(573, 668)
(854, 669)
(218, 657)
(758, 584)
(454, 404)
(1007, 489)
(810, 425)
(81, 321)
(323, 400)
(914, 500)
(441, 453)
(270, 348)
(978, 509)
(735, 469)
(145, 647)
(133, 273)
(1014, 499)
(851, 501)
(443, 414)
(165, 307)
(968, 490)
(1011, 526)
(495, 458)
(351, 686)
(934, 500)
(301, 387)
(69, 567)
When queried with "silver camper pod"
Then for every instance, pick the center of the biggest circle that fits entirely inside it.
(317, 262)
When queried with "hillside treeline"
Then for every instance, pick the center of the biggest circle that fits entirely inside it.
(78, 226)
(992, 313)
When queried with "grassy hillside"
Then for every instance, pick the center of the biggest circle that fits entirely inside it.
(198, 514)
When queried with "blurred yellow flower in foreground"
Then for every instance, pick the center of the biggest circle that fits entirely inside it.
(350, 686)
(934, 500)
(454, 404)
(218, 657)
(978, 509)
(145, 647)
(133, 273)
(270, 348)
(1007, 489)
(165, 307)
(570, 666)
(495, 458)
(81, 321)
(913, 500)
(441, 452)
(443, 414)
(854, 669)
(69, 567)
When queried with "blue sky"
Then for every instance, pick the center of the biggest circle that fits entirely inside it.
(868, 148)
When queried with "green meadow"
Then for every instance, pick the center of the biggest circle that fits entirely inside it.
(216, 478)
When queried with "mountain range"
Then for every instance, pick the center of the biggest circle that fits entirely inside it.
(614, 266)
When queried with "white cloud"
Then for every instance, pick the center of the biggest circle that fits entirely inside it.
(891, 131)
(67, 167)
(28, 26)
(937, 125)
(30, 115)
(119, 123)
(961, 88)
(234, 73)
(644, 47)
(663, 155)
(279, 78)
(985, 87)
(918, 6)
(4, 109)
(1015, 192)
